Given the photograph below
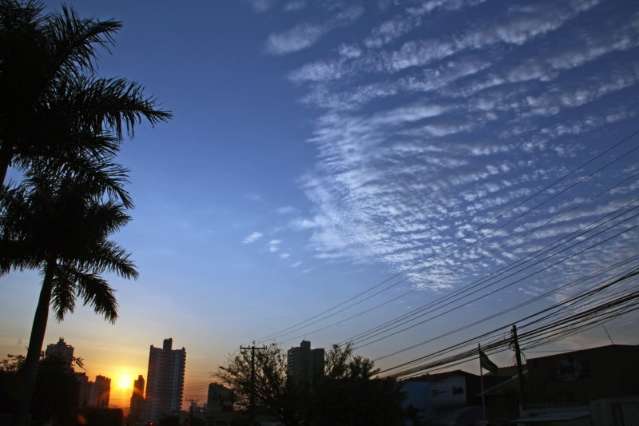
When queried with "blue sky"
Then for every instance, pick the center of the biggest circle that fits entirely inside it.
(321, 146)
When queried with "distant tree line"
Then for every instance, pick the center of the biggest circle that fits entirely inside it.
(55, 395)
(348, 394)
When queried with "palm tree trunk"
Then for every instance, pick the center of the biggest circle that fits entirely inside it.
(5, 161)
(29, 371)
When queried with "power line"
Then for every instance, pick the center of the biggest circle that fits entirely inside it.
(343, 309)
(508, 310)
(350, 317)
(499, 272)
(548, 221)
(355, 297)
(473, 300)
(502, 328)
(450, 299)
(535, 318)
(616, 309)
(331, 311)
(581, 166)
(360, 313)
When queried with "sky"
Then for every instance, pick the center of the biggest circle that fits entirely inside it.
(320, 147)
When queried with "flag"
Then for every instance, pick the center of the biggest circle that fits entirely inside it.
(486, 363)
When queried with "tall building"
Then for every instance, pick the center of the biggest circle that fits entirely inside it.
(84, 389)
(165, 380)
(137, 401)
(220, 398)
(100, 392)
(305, 365)
(60, 351)
(93, 394)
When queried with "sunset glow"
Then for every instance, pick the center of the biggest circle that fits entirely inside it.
(124, 381)
(319, 212)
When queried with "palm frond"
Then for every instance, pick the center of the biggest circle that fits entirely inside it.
(67, 137)
(14, 13)
(97, 293)
(105, 217)
(17, 255)
(63, 292)
(115, 102)
(107, 256)
(98, 176)
(17, 250)
(14, 205)
(73, 41)
(94, 144)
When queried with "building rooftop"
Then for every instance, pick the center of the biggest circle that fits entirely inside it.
(585, 350)
(441, 376)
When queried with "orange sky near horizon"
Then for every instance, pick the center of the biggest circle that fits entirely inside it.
(406, 187)
(114, 358)
(122, 348)
(113, 350)
(118, 364)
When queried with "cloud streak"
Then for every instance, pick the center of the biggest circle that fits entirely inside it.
(433, 132)
(305, 35)
(252, 237)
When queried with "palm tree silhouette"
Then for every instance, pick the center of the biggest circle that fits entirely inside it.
(60, 225)
(62, 126)
(51, 99)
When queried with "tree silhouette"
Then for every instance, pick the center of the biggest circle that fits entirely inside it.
(60, 224)
(55, 399)
(62, 125)
(55, 394)
(341, 363)
(350, 395)
(272, 391)
(52, 105)
(347, 395)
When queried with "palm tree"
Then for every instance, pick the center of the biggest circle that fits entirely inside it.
(60, 224)
(48, 86)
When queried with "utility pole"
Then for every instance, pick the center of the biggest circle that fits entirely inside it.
(481, 379)
(252, 349)
(520, 369)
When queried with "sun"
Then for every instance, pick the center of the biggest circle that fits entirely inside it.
(124, 381)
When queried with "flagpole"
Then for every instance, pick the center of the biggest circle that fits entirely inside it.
(481, 380)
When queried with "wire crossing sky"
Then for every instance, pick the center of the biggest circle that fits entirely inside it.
(345, 169)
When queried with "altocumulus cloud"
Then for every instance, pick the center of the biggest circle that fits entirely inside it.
(261, 6)
(252, 237)
(432, 133)
(297, 38)
(304, 35)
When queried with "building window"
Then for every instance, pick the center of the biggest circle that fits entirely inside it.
(458, 390)
(571, 369)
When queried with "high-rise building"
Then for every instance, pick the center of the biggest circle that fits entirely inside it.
(220, 398)
(197, 411)
(60, 351)
(165, 380)
(84, 389)
(93, 394)
(100, 392)
(305, 365)
(137, 401)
